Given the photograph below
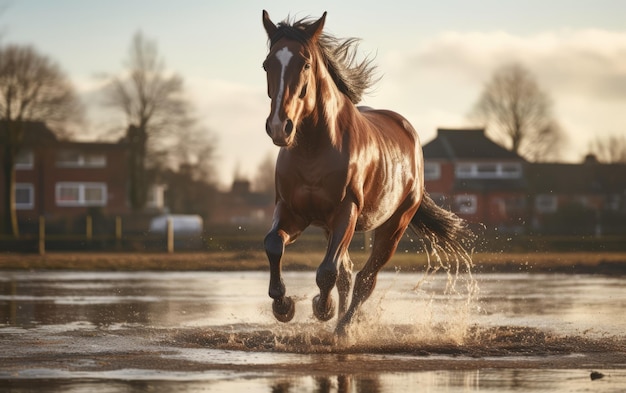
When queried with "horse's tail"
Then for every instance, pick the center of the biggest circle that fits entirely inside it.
(440, 228)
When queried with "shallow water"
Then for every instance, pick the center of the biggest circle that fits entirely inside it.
(214, 332)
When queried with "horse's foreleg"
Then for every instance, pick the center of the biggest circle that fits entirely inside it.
(282, 306)
(341, 232)
(386, 239)
(280, 235)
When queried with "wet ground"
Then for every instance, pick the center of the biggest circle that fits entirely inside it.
(214, 332)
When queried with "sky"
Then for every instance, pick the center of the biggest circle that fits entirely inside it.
(433, 57)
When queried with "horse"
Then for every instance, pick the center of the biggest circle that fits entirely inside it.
(340, 167)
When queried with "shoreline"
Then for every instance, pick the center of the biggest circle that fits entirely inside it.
(608, 263)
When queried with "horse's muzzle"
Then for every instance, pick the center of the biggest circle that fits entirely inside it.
(281, 133)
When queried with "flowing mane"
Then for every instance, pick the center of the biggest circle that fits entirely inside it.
(352, 78)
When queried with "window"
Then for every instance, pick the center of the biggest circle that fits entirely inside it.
(77, 159)
(486, 170)
(24, 159)
(465, 204)
(24, 196)
(432, 171)
(464, 170)
(81, 194)
(489, 170)
(511, 170)
(546, 203)
(156, 196)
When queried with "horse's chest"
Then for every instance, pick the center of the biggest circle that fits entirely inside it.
(315, 198)
(313, 201)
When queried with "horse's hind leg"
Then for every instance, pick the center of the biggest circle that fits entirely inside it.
(284, 231)
(386, 239)
(332, 268)
(344, 280)
(344, 283)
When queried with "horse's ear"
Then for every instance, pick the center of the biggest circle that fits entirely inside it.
(315, 29)
(270, 27)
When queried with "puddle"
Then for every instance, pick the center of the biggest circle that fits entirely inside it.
(214, 332)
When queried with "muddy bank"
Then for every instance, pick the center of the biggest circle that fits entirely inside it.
(574, 263)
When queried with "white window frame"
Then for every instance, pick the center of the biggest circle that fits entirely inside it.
(29, 162)
(156, 196)
(501, 170)
(487, 169)
(464, 170)
(466, 203)
(515, 173)
(84, 160)
(546, 203)
(81, 187)
(31, 196)
(432, 171)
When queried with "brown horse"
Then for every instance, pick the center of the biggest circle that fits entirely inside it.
(341, 167)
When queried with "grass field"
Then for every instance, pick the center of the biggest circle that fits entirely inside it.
(575, 262)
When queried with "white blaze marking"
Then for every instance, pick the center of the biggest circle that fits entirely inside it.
(283, 55)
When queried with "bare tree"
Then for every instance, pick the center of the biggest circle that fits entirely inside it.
(156, 110)
(610, 149)
(264, 180)
(518, 114)
(195, 149)
(32, 88)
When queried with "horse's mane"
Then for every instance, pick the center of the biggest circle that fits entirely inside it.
(351, 77)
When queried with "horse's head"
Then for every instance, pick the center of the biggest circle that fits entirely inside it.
(291, 82)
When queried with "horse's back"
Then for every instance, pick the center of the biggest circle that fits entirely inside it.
(394, 171)
(388, 122)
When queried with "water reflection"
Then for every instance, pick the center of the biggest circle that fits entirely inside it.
(338, 384)
(513, 381)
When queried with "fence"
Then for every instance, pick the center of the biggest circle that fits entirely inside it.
(91, 235)
(88, 239)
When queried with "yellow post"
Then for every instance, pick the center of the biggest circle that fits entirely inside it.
(118, 232)
(367, 240)
(170, 235)
(89, 228)
(42, 235)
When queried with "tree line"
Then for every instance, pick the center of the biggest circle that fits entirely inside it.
(165, 138)
(167, 141)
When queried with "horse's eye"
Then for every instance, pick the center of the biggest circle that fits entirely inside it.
(307, 66)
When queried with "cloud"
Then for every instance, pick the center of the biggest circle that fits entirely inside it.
(586, 62)
(583, 71)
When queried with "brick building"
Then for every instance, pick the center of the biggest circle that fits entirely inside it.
(61, 179)
(486, 183)
(476, 178)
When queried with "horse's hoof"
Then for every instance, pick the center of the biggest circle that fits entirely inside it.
(341, 331)
(284, 309)
(323, 315)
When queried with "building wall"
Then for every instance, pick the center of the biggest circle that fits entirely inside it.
(47, 176)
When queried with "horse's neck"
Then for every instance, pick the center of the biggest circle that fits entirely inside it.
(324, 128)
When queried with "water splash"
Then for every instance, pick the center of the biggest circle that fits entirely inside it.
(500, 341)
(444, 297)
